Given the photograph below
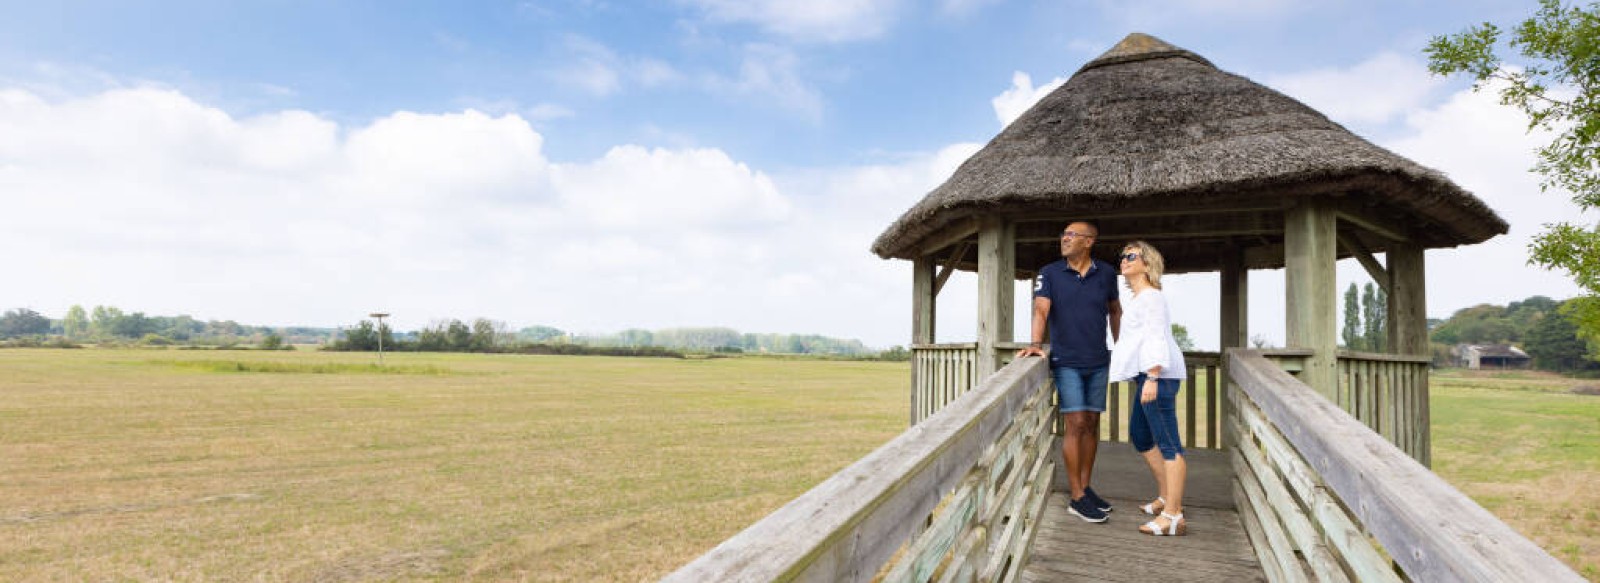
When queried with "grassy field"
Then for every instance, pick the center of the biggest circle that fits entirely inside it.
(190, 466)
(1528, 450)
(198, 465)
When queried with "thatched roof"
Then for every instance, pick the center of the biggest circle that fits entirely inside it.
(1154, 141)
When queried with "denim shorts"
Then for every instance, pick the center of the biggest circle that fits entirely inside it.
(1155, 424)
(1081, 389)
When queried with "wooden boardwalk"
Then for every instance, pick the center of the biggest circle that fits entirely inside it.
(1216, 549)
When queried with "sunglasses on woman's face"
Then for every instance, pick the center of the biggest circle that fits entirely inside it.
(1130, 256)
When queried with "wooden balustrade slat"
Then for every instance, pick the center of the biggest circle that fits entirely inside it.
(1265, 556)
(1290, 515)
(1279, 551)
(1366, 562)
(1213, 411)
(1189, 390)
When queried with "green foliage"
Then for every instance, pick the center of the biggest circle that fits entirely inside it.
(365, 336)
(1554, 344)
(1557, 84)
(1180, 334)
(1351, 332)
(1375, 312)
(272, 342)
(23, 322)
(1480, 324)
(1551, 332)
(895, 354)
(540, 334)
(76, 323)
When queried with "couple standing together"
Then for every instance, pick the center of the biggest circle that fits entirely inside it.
(1076, 298)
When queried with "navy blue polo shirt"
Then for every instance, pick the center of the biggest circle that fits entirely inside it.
(1078, 312)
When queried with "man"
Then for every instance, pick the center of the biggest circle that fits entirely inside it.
(1076, 297)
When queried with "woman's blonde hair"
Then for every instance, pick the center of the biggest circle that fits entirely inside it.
(1154, 266)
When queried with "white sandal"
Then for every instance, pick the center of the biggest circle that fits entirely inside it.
(1155, 507)
(1176, 526)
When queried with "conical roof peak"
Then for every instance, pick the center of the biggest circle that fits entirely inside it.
(1139, 46)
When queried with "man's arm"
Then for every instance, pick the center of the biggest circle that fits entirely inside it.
(1041, 313)
(1114, 308)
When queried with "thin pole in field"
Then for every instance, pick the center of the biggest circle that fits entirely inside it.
(380, 316)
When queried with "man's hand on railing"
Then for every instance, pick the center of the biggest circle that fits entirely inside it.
(1034, 349)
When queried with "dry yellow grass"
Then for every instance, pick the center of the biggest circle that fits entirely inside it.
(120, 465)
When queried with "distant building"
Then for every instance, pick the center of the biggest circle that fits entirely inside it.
(1492, 356)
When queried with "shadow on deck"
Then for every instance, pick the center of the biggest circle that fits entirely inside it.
(1216, 548)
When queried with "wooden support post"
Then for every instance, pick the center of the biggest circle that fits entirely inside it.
(1310, 257)
(1408, 334)
(997, 268)
(1408, 314)
(923, 302)
(1235, 326)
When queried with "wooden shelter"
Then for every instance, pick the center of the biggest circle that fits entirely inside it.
(1220, 173)
(1325, 477)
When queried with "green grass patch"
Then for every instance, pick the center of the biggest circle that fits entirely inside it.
(1520, 444)
(226, 366)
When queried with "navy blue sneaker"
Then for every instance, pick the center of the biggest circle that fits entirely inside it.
(1083, 508)
(1095, 499)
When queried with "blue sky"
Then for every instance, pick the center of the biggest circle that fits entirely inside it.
(598, 165)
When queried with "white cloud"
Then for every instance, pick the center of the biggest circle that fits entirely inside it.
(600, 71)
(151, 201)
(591, 75)
(1011, 104)
(807, 20)
(1375, 91)
(771, 74)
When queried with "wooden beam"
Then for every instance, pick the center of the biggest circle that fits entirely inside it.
(1173, 209)
(1162, 225)
(950, 235)
(1363, 217)
(950, 266)
(1362, 255)
(1312, 288)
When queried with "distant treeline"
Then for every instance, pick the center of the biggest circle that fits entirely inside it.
(109, 325)
(484, 335)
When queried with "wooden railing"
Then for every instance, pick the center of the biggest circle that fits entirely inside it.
(956, 497)
(942, 372)
(1199, 404)
(1389, 394)
(1324, 498)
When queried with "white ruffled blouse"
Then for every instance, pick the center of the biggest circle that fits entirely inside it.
(1146, 339)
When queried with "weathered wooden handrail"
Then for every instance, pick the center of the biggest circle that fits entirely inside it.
(1389, 394)
(984, 457)
(1316, 487)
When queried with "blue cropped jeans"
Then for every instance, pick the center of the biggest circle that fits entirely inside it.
(1155, 424)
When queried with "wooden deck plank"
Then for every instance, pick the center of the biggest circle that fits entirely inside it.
(1216, 549)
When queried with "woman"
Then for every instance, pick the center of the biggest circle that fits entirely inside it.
(1147, 353)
